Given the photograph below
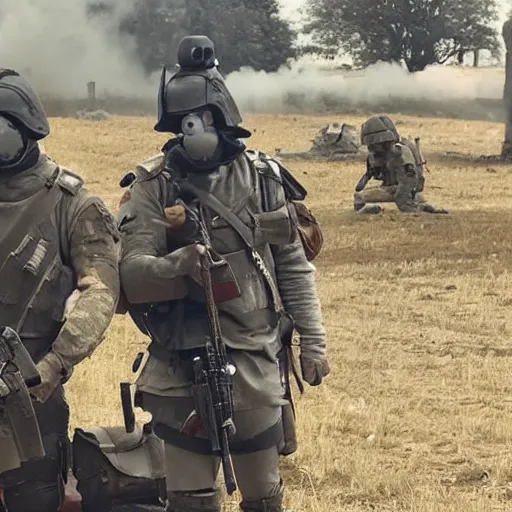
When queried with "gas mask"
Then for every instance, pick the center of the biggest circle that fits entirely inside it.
(13, 144)
(200, 138)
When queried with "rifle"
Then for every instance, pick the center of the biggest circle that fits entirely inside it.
(18, 373)
(213, 373)
(422, 163)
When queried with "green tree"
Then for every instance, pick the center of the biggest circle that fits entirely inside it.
(245, 32)
(417, 32)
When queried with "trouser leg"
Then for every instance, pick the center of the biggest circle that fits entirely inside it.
(38, 486)
(191, 476)
(373, 195)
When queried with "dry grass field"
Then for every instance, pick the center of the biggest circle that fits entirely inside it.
(417, 413)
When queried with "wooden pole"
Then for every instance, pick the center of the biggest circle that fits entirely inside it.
(91, 96)
(506, 150)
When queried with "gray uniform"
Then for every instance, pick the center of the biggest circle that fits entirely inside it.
(159, 268)
(390, 160)
(82, 275)
(248, 324)
(60, 286)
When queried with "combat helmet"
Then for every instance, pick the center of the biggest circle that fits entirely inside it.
(20, 103)
(196, 84)
(377, 130)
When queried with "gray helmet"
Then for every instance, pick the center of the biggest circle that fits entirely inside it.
(378, 129)
(197, 84)
(20, 103)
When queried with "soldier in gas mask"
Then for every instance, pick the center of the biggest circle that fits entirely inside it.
(397, 163)
(261, 256)
(59, 286)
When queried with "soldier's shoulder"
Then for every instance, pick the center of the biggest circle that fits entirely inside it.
(265, 164)
(69, 181)
(146, 170)
(403, 152)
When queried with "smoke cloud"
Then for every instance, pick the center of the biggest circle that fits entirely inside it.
(60, 49)
(382, 82)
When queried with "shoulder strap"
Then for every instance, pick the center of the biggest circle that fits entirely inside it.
(41, 207)
(245, 234)
(222, 210)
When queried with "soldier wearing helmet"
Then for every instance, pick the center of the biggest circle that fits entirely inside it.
(59, 287)
(395, 162)
(253, 234)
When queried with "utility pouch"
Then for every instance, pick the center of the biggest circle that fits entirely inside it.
(224, 284)
(113, 468)
(276, 227)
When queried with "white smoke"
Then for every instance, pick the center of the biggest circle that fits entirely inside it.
(59, 49)
(272, 92)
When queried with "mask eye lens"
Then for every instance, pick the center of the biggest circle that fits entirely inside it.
(190, 124)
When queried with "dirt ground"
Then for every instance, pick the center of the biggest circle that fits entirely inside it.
(416, 415)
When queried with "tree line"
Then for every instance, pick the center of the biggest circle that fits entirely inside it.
(252, 33)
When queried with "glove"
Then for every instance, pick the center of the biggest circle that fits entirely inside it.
(4, 390)
(52, 374)
(189, 262)
(313, 368)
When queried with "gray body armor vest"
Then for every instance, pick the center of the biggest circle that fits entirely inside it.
(35, 281)
(248, 322)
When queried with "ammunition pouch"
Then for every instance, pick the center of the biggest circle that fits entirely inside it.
(113, 468)
(276, 180)
(276, 227)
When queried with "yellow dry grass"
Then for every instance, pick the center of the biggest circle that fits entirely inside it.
(416, 415)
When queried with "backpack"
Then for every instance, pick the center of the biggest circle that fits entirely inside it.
(420, 163)
(309, 229)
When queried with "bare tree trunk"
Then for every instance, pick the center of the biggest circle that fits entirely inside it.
(506, 151)
(460, 57)
(476, 58)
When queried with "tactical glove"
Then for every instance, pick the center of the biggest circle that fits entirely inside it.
(52, 374)
(4, 390)
(313, 368)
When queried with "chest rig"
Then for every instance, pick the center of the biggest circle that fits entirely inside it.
(35, 279)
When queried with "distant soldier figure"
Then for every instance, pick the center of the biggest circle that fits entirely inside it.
(398, 164)
(59, 287)
(236, 209)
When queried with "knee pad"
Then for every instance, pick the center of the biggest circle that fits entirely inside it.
(193, 501)
(272, 504)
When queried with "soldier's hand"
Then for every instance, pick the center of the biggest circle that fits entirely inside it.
(313, 368)
(189, 261)
(51, 372)
(4, 390)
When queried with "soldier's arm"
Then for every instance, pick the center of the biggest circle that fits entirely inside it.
(296, 278)
(93, 254)
(148, 273)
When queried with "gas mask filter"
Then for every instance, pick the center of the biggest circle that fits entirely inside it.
(200, 138)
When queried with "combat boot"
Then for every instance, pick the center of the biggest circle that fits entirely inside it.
(358, 202)
(370, 209)
(273, 504)
(193, 502)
